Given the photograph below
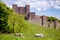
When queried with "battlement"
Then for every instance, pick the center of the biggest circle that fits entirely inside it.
(21, 10)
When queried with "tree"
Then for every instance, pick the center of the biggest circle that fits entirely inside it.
(51, 18)
(16, 23)
(10, 21)
(4, 13)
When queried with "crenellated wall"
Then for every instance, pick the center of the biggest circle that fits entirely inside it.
(21, 10)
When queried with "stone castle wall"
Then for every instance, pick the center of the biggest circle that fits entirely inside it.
(31, 17)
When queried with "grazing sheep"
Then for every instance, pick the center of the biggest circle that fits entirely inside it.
(39, 35)
(20, 34)
(17, 34)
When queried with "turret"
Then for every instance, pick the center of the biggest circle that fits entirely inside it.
(14, 6)
(27, 9)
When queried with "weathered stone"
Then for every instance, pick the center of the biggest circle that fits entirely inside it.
(50, 23)
(56, 24)
(44, 20)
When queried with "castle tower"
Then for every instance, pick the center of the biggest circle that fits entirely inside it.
(44, 20)
(14, 6)
(27, 9)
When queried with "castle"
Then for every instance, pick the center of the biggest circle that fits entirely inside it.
(31, 17)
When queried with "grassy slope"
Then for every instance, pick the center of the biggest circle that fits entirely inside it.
(49, 34)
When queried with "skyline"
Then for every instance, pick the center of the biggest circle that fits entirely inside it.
(40, 7)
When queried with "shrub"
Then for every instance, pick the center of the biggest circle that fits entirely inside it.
(4, 13)
(16, 23)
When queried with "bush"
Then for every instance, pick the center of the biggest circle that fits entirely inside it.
(10, 21)
(4, 13)
(16, 23)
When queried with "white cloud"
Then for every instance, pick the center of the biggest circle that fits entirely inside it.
(18, 3)
(57, 7)
(43, 5)
(57, 4)
(39, 5)
(39, 9)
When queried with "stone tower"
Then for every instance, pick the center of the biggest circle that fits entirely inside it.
(27, 9)
(44, 20)
(15, 8)
(21, 10)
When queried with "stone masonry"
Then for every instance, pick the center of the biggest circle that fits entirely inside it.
(31, 17)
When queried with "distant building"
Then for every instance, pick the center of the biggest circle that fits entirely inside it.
(31, 17)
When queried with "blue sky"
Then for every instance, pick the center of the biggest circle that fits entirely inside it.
(40, 7)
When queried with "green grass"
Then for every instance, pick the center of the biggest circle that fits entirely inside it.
(49, 34)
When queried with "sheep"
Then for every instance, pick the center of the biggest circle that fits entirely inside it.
(39, 35)
(20, 34)
(17, 34)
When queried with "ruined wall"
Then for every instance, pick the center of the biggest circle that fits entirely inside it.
(31, 15)
(51, 24)
(56, 24)
(44, 20)
(38, 20)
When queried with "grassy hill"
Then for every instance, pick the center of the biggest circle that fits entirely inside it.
(49, 34)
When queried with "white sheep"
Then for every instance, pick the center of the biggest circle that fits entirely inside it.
(39, 35)
(17, 34)
(20, 34)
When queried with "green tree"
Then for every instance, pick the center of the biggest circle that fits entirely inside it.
(51, 18)
(16, 23)
(10, 21)
(4, 13)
